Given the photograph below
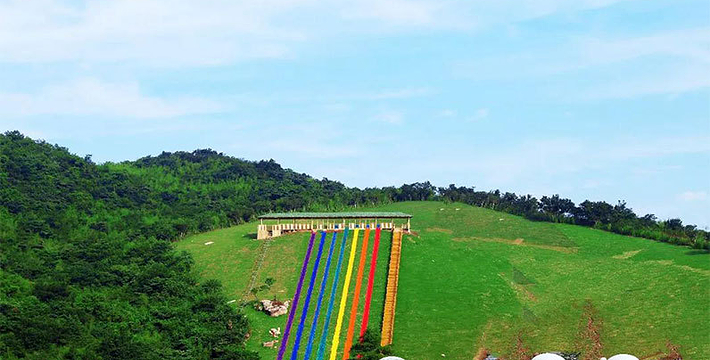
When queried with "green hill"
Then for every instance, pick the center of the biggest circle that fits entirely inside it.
(472, 278)
(87, 268)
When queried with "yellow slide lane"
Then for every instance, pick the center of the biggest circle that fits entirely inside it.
(344, 298)
(391, 295)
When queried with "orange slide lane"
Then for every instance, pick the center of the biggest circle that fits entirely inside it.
(356, 296)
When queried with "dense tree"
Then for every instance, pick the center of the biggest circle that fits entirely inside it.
(558, 208)
(86, 268)
(369, 348)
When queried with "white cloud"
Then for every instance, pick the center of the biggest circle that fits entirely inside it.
(671, 145)
(693, 196)
(461, 15)
(405, 93)
(312, 149)
(552, 157)
(655, 170)
(595, 183)
(337, 107)
(681, 64)
(338, 99)
(174, 33)
(688, 51)
(90, 96)
(685, 43)
(670, 81)
(555, 155)
(166, 33)
(390, 117)
(447, 113)
(480, 114)
(395, 12)
(318, 142)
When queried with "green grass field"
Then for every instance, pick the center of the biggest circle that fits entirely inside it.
(474, 278)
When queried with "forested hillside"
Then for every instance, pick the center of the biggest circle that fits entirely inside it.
(86, 268)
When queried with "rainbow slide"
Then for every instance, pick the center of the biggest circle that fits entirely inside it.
(321, 292)
(331, 302)
(343, 299)
(294, 305)
(358, 281)
(304, 312)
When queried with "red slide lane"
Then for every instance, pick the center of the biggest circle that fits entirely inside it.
(370, 282)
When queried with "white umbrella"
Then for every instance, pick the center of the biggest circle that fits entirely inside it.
(548, 356)
(623, 357)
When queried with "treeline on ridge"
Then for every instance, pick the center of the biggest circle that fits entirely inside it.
(264, 186)
(617, 218)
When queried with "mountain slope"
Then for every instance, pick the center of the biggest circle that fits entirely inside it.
(474, 278)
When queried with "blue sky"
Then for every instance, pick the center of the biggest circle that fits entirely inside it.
(591, 99)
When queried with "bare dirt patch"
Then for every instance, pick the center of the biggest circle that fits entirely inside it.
(445, 231)
(483, 351)
(521, 351)
(662, 262)
(589, 338)
(519, 242)
(481, 354)
(684, 267)
(696, 270)
(627, 255)
(652, 356)
(521, 290)
(673, 352)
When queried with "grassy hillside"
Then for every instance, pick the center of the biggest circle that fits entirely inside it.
(472, 278)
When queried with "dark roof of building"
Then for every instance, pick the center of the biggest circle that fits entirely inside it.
(337, 215)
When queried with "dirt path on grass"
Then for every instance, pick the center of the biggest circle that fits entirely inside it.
(627, 255)
(522, 291)
(435, 229)
(519, 242)
(684, 267)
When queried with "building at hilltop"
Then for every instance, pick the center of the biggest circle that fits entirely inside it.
(276, 224)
